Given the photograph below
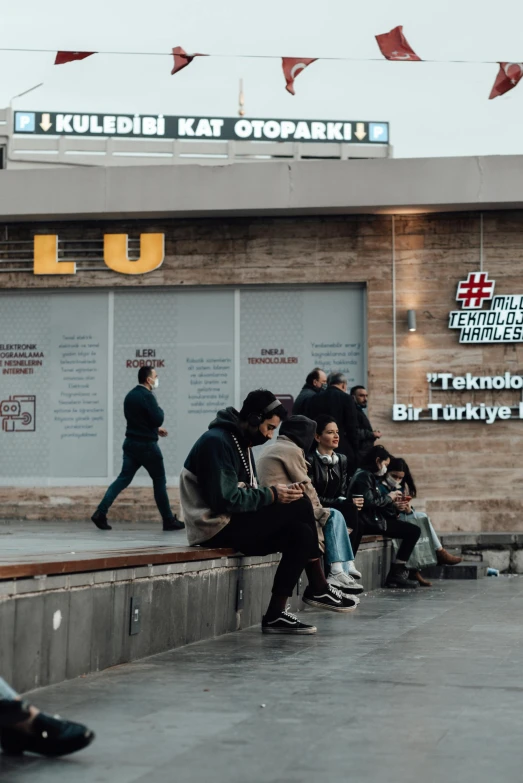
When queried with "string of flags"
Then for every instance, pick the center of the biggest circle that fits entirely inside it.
(392, 45)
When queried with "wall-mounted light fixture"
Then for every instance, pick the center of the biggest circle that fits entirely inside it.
(411, 320)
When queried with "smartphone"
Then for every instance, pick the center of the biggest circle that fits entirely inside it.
(406, 498)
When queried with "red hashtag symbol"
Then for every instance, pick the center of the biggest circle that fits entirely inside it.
(476, 289)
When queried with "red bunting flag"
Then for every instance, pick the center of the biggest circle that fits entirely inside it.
(182, 59)
(68, 57)
(292, 67)
(394, 46)
(509, 75)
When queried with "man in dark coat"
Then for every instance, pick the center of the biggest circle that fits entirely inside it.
(367, 436)
(315, 381)
(140, 448)
(336, 402)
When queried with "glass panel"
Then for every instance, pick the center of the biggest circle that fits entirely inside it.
(188, 337)
(53, 385)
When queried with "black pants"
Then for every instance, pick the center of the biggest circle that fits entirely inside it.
(406, 531)
(135, 454)
(289, 528)
(352, 519)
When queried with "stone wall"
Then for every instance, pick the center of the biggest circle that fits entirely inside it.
(467, 472)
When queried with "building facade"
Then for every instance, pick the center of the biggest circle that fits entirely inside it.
(249, 277)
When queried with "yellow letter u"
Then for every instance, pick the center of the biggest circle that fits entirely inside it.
(152, 253)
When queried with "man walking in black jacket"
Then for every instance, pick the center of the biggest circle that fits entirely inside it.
(144, 425)
(335, 402)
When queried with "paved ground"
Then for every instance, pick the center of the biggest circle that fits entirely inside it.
(409, 689)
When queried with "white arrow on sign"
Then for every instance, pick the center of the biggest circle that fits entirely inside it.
(46, 122)
(360, 131)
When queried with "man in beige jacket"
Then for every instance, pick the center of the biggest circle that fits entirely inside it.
(284, 462)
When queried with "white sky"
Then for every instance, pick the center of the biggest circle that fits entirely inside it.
(433, 109)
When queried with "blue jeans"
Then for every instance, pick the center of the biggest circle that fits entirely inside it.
(138, 453)
(338, 548)
(6, 692)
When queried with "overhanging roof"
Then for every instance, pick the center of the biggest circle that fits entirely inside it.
(272, 188)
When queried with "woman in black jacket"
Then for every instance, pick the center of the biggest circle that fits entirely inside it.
(379, 515)
(330, 478)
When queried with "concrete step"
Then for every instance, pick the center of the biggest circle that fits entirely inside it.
(467, 570)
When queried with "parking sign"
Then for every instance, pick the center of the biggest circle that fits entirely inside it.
(24, 122)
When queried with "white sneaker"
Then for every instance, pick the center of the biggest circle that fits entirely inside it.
(353, 571)
(345, 582)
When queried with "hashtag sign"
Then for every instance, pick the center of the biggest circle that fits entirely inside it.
(475, 290)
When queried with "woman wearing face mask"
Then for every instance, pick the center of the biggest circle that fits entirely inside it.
(329, 475)
(428, 551)
(379, 515)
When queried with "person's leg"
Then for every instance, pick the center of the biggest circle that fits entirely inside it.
(352, 520)
(130, 465)
(6, 692)
(23, 727)
(435, 540)
(409, 535)
(338, 554)
(289, 528)
(338, 550)
(154, 465)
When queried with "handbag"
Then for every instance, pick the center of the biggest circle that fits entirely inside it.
(424, 553)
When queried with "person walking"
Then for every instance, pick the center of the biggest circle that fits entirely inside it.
(140, 449)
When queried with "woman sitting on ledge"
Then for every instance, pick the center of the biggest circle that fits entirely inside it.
(329, 476)
(428, 551)
(379, 515)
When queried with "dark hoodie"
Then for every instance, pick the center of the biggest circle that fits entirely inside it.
(212, 472)
(300, 430)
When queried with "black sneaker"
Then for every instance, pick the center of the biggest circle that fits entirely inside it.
(100, 520)
(287, 623)
(332, 600)
(48, 736)
(399, 577)
(174, 524)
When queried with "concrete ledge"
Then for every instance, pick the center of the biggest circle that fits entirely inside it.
(503, 551)
(148, 556)
(59, 626)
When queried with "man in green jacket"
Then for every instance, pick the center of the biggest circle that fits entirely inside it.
(223, 506)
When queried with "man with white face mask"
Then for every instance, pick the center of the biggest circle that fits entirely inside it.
(140, 449)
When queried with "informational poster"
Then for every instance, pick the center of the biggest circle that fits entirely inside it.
(188, 337)
(53, 385)
(78, 358)
(284, 334)
(25, 374)
(67, 360)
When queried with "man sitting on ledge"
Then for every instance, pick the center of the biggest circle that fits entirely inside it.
(223, 506)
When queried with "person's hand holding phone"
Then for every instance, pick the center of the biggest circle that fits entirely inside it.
(396, 495)
(358, 501)
(403, 504)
